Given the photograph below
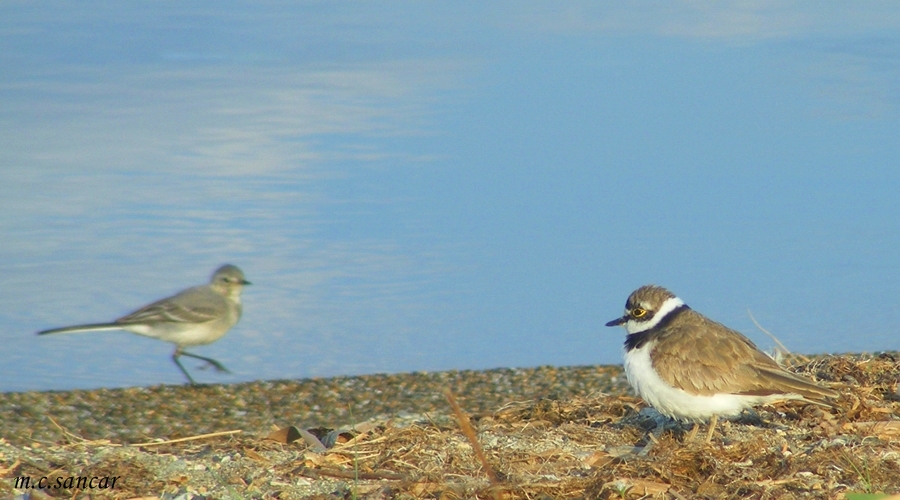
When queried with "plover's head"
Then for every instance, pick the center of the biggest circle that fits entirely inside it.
(646, 307)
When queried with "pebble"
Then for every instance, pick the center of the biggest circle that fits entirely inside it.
(141, 414)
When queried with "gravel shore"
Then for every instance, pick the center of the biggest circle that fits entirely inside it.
(140, 414)
(546, 432)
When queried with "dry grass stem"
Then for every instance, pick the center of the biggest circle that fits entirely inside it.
(467, 429)
(784, 350)
(189, 438)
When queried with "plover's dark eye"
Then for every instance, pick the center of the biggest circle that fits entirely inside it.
(637, 312)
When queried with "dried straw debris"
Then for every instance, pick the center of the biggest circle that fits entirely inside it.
(593, 445)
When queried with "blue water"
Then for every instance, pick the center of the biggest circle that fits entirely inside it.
(419, 186)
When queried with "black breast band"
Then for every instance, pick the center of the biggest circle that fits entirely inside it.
(637, 340)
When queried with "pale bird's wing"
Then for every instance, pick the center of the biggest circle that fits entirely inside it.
(728, 363)
(194, 305)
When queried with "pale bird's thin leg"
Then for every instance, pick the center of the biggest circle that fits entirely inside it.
(179, 352)
(218, 366)
(175, 356)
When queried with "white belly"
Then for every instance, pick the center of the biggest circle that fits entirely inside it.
(677, 403)
(183, 334)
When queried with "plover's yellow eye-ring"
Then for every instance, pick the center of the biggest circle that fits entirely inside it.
(637, 312)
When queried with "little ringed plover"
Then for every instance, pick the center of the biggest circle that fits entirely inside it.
(694, 369)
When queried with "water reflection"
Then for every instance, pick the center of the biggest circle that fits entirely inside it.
(413, 187)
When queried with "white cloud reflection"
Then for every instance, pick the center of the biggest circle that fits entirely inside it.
(142, 145)
(734, 21)
(128, 180)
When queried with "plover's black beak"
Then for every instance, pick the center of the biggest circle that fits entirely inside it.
(618, 321)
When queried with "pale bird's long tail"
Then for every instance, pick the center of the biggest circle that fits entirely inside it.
(93, 327)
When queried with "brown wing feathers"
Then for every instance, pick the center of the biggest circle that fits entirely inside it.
(723, 362)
